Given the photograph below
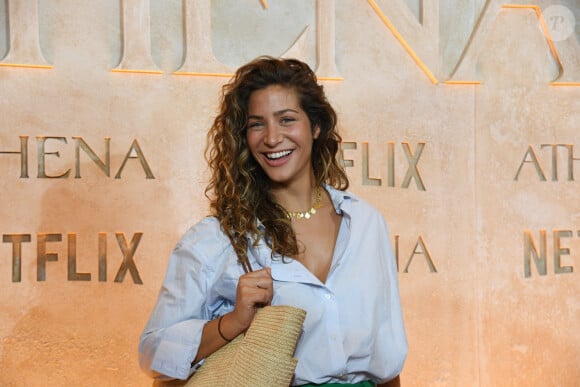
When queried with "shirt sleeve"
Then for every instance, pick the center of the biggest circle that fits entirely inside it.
(171, 338)
(393, 328)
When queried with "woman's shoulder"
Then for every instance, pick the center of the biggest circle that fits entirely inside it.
(353, 204)
(205, 236)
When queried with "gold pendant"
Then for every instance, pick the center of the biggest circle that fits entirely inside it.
(307, 214)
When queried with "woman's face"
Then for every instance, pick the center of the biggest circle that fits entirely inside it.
(279, 135)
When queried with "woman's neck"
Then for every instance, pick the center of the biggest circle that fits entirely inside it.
(295, 197)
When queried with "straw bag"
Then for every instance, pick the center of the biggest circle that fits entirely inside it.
(263, 357)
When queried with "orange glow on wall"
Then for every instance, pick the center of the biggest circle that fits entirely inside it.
(194, 74)
(136, 71)
(462, 82)
(226, 75)
(23, 65)
(573, 84)
(330, 78)
(403, 42)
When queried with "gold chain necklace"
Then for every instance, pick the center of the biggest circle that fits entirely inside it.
(311, 211)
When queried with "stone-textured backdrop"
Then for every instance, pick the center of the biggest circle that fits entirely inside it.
(479, 180)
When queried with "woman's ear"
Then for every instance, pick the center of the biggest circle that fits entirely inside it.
(316, 132)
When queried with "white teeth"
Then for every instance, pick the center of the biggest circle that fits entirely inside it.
(277, 155)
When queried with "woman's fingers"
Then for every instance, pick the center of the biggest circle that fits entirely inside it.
(255, 289)
(261, 279)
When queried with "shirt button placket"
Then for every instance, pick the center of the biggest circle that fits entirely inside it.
(337, 356)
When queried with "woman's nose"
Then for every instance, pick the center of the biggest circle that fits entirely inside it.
(272, 135)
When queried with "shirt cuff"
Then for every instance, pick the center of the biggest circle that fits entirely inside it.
(177, 349)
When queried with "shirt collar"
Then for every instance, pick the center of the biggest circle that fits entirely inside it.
(341, 201)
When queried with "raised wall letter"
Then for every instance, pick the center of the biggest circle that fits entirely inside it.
(571, 160)
(102, 257)
(347, 145)
(391, 163)
(366, 180)
(40, 141)
(558, 252)
(72, 261)
(425, 252)
(199, 57)
(24, 49)
(16, 240)
(139, 155)
(103, 166)
(531, 251)
(136, 21)
(412, 171)
(534, 160)
(128, 252)
(42, 256)
(23, 156)
(326, 47)
(424, 34)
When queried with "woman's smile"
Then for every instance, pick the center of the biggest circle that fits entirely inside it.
(278, 155)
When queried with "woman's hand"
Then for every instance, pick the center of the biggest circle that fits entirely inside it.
(255, 289)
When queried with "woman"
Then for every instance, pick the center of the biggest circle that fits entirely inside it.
(279, 205)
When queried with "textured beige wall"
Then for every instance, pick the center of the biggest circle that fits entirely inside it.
(467, 224)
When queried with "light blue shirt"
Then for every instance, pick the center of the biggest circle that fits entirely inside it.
(354, 327)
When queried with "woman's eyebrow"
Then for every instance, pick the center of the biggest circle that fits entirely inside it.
(276, 113)
(284, 111)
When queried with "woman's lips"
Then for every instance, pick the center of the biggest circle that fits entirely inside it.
(277, 158)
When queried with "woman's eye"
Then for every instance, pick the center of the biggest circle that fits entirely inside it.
(253, 125)
(287, 120)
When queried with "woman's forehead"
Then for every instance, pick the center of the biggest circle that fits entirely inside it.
(273, 98)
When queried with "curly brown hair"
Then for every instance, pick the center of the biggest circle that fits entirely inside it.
(239, 190)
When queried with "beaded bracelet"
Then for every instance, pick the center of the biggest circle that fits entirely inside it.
(220, 329)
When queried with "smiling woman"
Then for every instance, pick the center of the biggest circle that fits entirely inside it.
(279, 205)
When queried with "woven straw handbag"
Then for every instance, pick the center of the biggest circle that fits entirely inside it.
(262, 357)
